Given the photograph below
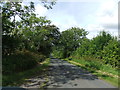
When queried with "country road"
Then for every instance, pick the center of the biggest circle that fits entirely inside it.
(65, 75)
(62, 74)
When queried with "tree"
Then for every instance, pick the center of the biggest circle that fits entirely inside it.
(111, 53)
(71, 39)
(46, 38)
(17, 34)
(101, 40)
(83, 49)
(9, 37)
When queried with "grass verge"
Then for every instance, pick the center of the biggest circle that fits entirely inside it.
(104, 72)
(17, 79)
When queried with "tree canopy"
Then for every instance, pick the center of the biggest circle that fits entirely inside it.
(30, 32)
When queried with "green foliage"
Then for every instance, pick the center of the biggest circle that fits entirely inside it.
(30, 32)
(20, 61)
(70, 40)
(11, 39)
(83, 49)
(38, 35)
(27, 40)
(94, 65)
(101, 40)
(46, 38)
(57, 53)
(94, 46)
(10, 44)
(16, 79)
(103, 46)
(111, 53)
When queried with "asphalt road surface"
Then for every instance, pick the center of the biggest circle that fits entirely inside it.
(62, 74)
(65, 75)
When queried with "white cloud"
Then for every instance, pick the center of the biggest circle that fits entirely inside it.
(40, 10)
(106, 19)
(93, 27)
(64, 21)
(70, 22)
(108, 13)
(93, 30)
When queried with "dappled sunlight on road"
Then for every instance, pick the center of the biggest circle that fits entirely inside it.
(65, 75)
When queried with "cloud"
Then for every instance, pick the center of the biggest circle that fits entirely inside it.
(40, 10)
(63, 20)
(107, 15)
(94, 27)
(93, 30)
(111, 26)
(106, 19)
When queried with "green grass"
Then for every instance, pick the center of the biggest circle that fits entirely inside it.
(18, 78)
(111, 80)
(97, 64)
(94, 65)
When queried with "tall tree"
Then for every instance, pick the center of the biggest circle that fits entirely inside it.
(13, 30)
(71, 39)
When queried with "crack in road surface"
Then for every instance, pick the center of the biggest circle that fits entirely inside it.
(62, 74)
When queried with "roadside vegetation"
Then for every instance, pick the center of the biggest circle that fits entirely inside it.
(27, 41)
(99, 55)
(103, 71)
(30, 40)
(16, 79)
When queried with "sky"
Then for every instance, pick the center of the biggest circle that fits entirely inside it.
(91, 15)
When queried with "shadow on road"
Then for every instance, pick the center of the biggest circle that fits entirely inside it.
(61, 72)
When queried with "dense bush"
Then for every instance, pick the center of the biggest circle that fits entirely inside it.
(104, 47)
(111, 53)
(30, 32)
(20, 61)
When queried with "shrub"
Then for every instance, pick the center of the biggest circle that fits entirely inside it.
(20, 61)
